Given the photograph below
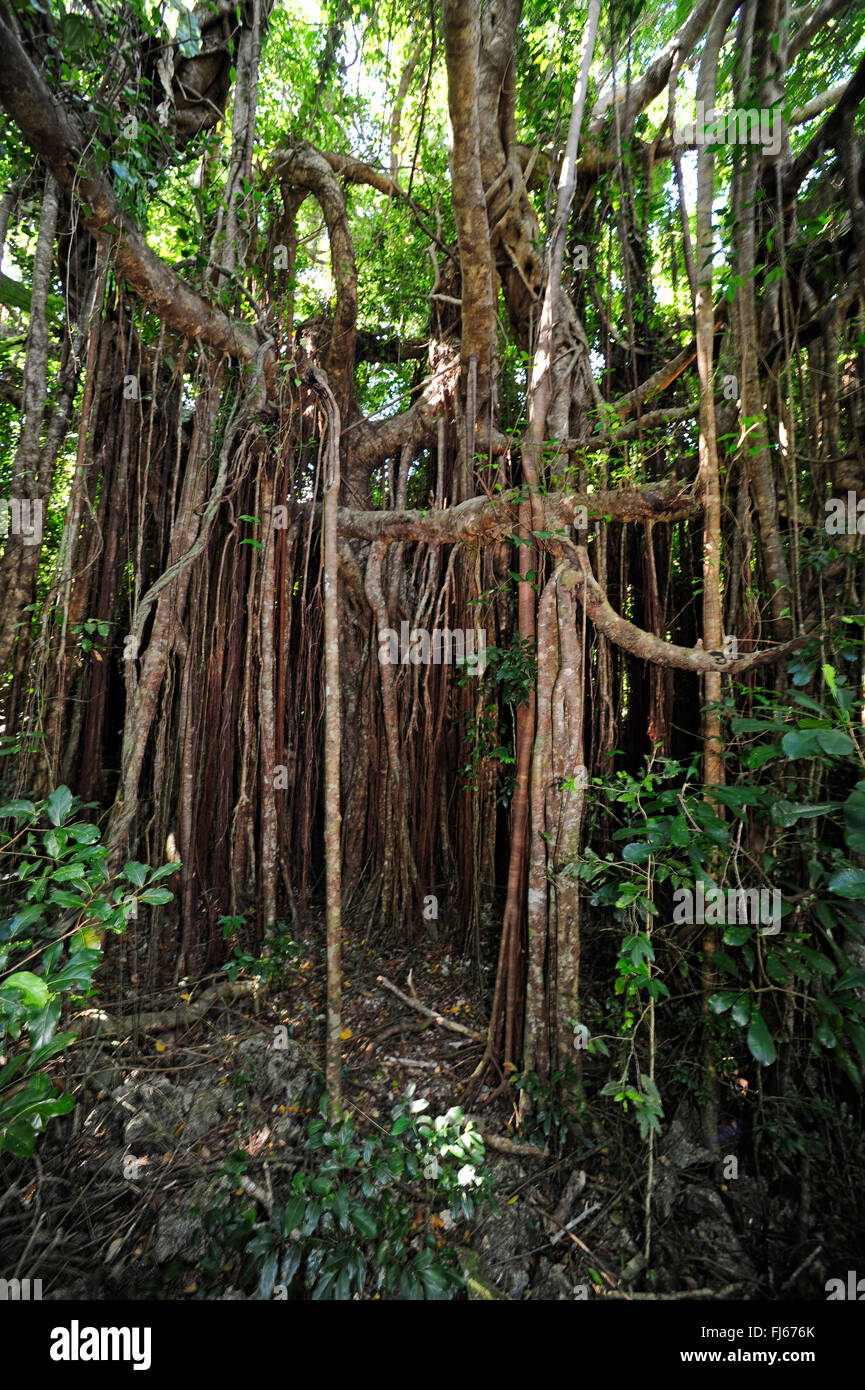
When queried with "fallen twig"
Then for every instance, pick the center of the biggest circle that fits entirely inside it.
(430, 1013)
(414, 1062)
(507, 1146)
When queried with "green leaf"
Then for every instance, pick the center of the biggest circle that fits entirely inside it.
(832, 741)
(60, 898)
(638, 852)
(293, 1212)
(290, 1265)
(66, 873)
(854, 978)
(737, 936)
(854, 808)
(760, 1041)
(721, 1002)
(33, 988)
(55, 843)
(19, 1138)
(77, 972)
(725, 962)
(759, 756)
(18, 809)
(135, 873)
(58, 805)
(822, 964)
(41, 1029)
(267, 1278)
(27, 917)
(680, 832)
(157, 895)
(824, 1034)
(364, 1221)
(163, 872)
(58, 1043)
(786, 813)
(848, 883)
(848, 1066)
(82, 833)
(800, 743)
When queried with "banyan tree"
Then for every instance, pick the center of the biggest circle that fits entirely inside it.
(477, 321)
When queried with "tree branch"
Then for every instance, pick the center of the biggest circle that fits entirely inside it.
(828, 134)
(482, 521)
(58, 140)
(651, 648)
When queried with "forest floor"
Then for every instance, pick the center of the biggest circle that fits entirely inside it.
(112, 1205)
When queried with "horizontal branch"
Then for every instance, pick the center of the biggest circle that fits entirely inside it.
(356, 171)
(482, 520)
(651, 420)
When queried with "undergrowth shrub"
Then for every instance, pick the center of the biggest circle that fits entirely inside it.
(358, 1220)
(56, 899)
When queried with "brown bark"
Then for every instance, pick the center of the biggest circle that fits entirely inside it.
(332, 748)
(462, 37)
(32, 472)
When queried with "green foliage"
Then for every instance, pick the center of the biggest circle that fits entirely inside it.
(510, 672)
(87, 633)
(553, 1109)
(279, 953)
(353, 1223)
(673, 838)
(513, 669)
(645, 1102)
(56, 898)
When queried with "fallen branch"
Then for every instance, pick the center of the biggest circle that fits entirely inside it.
(512, 1147)
(164, 1020)
(430, 1013)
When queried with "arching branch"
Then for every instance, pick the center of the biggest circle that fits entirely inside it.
(302, 166)
(57, 138)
